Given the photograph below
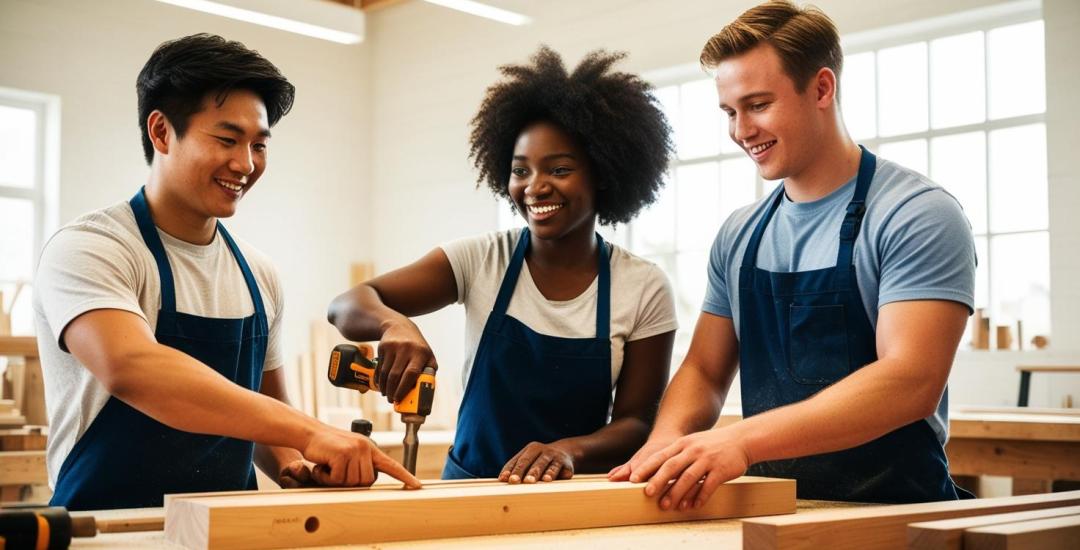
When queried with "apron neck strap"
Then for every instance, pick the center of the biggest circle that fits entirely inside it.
(603, 296)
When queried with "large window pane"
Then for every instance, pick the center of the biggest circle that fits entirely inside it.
(1021, 294)
(958, 163)
(982, 273)
(668, 96)
(16, 239)
(1018, 186)
(18, 139)
(902, 88)
(1017, 67)
(698, 202)
(692, 276)
(738, 185)
(957, 80)
(909, 154)
(654, 228)
(699, 120)
(858, 95)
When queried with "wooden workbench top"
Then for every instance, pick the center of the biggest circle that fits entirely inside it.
(719, 535)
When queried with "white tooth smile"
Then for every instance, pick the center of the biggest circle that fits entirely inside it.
(761, 147)
(229, 186)
(543, 209)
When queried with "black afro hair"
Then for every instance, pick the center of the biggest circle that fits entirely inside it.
(612, 115)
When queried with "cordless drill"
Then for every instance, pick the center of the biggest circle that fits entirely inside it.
(354, 368)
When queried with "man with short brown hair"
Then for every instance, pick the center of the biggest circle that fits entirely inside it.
(841, 295)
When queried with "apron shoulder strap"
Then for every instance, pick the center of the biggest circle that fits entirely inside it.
(150, 236)
(853, 217)
(249, 277)
(506, 289)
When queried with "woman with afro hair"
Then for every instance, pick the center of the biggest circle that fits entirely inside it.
(568, 338)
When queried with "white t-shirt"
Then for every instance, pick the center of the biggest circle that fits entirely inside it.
(642, 302)
(99, 261)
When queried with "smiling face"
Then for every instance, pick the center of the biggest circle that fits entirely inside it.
(550, 182)
(778, 127)
(220, 157)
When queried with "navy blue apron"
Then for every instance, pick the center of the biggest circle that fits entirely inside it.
(526, 386)
(800, 332)
(129, 460)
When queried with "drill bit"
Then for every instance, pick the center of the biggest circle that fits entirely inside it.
(411, 443)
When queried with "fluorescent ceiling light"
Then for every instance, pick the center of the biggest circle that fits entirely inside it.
(346, 17)
(483, 10)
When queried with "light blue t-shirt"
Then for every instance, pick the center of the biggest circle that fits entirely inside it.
(915, 244)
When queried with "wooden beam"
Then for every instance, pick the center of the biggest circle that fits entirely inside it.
(1039, 534)
(372, 5)
(23, 468)
(18, 346)
(1024, 459)
(26, 439)
(1014, 426)
(948, 534)
(285, 518)
(1048, 368)
(882, 527)
(1053, 411)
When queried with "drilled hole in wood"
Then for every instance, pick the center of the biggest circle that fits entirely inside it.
(312, 524)
(506, 508)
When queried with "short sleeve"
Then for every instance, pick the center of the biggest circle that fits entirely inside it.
(84, 269)
(657, 311)
(274, 356)
(717, 300)
(927, 252)
(466, 257)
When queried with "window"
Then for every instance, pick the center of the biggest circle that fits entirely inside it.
(28, 138)
(962, 101)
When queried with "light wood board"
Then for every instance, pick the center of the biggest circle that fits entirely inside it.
(948, 534)
(1024, 427)
(23, 468)
(1022, 459)
(291, 519)
(1062, 533)
(880, 528)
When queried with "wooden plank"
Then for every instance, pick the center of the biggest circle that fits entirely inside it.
(23, 468)
(880, 528)
(1048, 368)
(949, 534)
(1038, 534)
(12, 420)
(18, 346)
(25, 439)
(284, 519)
(1024, 459)
(1053, 411)
(1014, 426)
(33, 403)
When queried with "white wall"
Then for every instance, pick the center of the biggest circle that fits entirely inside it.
(371, 163)
(430, 67)
(305, 212)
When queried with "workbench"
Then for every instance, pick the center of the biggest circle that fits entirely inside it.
(718, 535)
(1039, 447)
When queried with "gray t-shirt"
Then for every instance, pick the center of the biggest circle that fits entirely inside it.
(642, 303)
(914, 244)
(99, 261)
